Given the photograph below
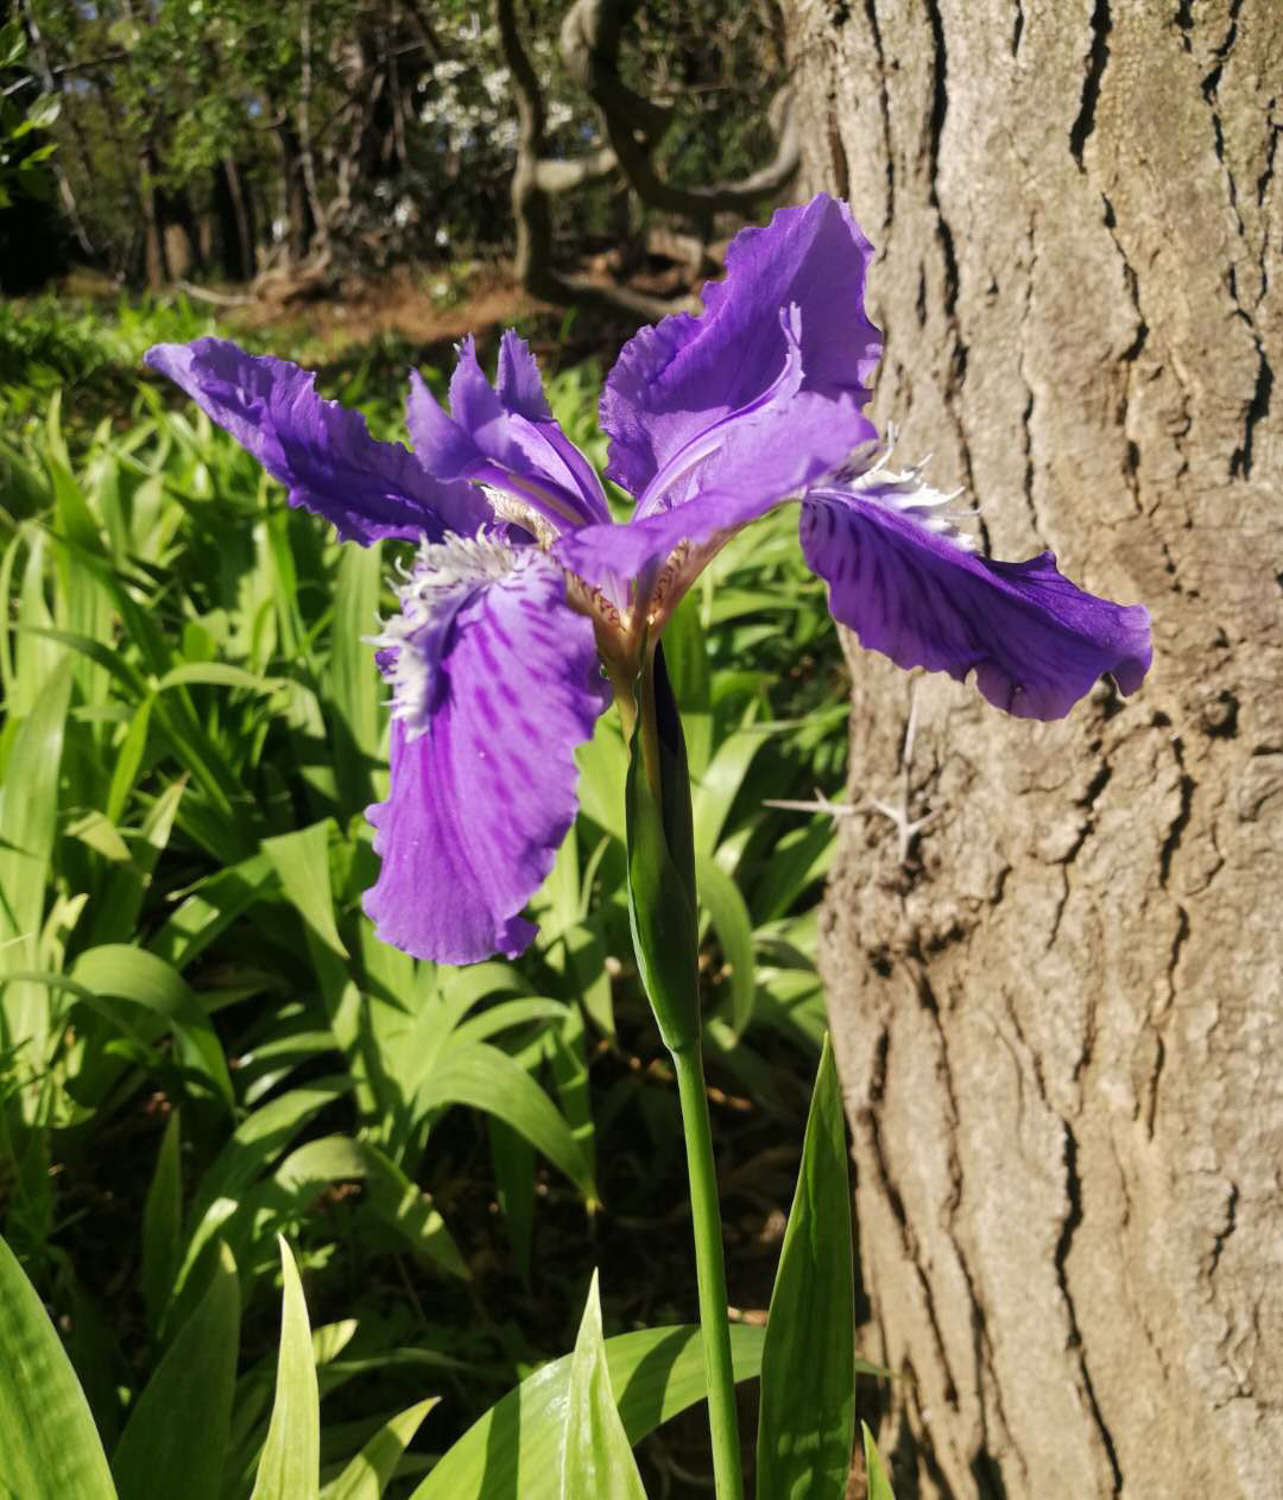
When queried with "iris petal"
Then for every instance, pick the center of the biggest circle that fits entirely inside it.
(505, 438)
(677, 379)
(321, 452)
(483, 784)
(754, 472)
(1036, 642)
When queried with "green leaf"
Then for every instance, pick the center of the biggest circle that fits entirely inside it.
(603, 764)
(596, 1456)
(513, 1160)
(879, 1484)
(720, 897)
(807, 1422)
(720, 784)
(482, 1077)
(513, 1449)
(120, 971)
(394, 1198)
(686, 656)
(366, 1477)
(255, 1143)
(290, 1465)
(163, 1224)
(49, 1449)
(28, 829)
(302, 861)
(177, 1434)
(216, 674)
(352, 683)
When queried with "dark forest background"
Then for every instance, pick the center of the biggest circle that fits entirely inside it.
(216, 141)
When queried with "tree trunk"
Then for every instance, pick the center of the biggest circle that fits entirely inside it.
(233, 209)
(1058, 1007)
(155, 268)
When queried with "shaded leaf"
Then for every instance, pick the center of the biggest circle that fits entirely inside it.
(176, 1438)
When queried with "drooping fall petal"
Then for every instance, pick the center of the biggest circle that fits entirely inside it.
(496, 682)
(1036, 642)
(320, 451)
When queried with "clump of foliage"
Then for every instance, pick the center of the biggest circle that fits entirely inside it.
(203, 1047)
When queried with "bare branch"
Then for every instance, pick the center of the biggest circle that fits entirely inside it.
(555, 176)
(590, 36)
(530, 189)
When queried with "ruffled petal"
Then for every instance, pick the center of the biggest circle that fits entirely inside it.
(321, 452)
(675, 380)
(505, 438)
(913, 591)
(483, 777)
(519, 384)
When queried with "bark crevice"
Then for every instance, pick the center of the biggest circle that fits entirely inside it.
(1097, 61)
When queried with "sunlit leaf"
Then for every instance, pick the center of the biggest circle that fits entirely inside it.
(289, 1467)
(596, 1456)
(49, 1449)
(514, 1448)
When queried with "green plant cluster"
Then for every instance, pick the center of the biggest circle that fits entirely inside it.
(204, 1048)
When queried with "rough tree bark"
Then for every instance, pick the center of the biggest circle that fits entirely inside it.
(1058, 1004)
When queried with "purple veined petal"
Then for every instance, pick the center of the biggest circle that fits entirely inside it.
(505, 439)
(483, 777)
(321, 452)
(697, 463)
(675, 380)
(757, 468)
(1036, 642)
(519, 385)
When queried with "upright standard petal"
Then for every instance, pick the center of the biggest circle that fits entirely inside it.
(916, 592)
(677, 379)
(505, 438)
(482, 751)
(321, 452)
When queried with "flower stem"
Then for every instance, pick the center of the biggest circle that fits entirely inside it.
(664, 917)
(710, 1271)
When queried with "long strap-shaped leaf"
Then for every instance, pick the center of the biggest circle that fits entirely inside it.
(596, 1456)
(369, 1473)
(879, 1484)
(513, 1449)
(49, 1447)
(176, 1439)
(290, 1466)
(807, 1421)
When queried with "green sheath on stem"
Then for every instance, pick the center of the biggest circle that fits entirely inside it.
(665, 924)
(661, 860)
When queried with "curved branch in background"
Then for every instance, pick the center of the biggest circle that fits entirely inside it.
(536, 177)
(590, 37)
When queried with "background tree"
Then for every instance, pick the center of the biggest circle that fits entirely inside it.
(219, 136)
(1055, 979)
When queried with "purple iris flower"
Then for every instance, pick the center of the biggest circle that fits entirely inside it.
(523, 586)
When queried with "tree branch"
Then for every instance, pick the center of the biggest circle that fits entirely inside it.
(590, 37)
(535, 177)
